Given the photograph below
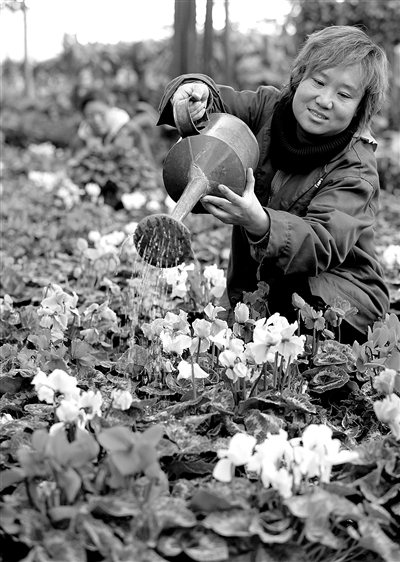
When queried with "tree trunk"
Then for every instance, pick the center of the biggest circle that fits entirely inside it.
(227, 47)
(184, 59)
(208, 39)
(27, 67)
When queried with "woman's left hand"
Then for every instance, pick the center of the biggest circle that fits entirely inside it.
(245, 210)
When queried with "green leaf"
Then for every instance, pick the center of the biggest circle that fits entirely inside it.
(205, 546)
(40, 440)
(373, 538)
(317, 508)
(234, 523)
(207, 502)
(118, 438)
(10, 477)
(70, 483)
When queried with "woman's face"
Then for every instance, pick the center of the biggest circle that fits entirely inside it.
(95, 113)
(326, 101)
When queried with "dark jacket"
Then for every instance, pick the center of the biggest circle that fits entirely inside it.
(321, 222)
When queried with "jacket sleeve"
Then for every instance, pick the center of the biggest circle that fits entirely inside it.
(338, 217)
(251, 107)
(165, 109)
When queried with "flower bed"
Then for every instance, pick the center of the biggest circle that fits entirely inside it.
(136, 425)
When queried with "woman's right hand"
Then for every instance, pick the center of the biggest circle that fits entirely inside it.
(198, 95)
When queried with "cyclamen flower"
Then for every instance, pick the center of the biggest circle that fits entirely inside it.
(242, 313)
(93, 190)
(91, 402)
(318, 439)
(68, 411)
(275, 449)
(135, 200)
(388, 411)
(290, 346)
(216, 279)
(5, 418)
(6, 304)
(217, 325)
(56, 308)
(265, 339)
(57, 382)
(385, 381)
(391, 256)
(185, 371)
(121, 399)
(224, 340)
(238, 453)
(177, 278)
(178, 323)
(175, 344)
(62, 382)
(212, 311)
(201, 328)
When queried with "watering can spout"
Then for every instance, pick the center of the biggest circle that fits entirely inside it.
(220, 152)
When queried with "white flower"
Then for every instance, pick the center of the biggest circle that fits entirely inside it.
(242, 313)
(185, 371)
(240, 371)
(227, 358)
(280, 479)
(238, 453)
(212, 311)
(274, 449)
(385, 381)
(121, 399)
(318, 439)
(391, 256)
(175, 344)
(94, 236)
(153, 206)
(135, 200)
(91, 402)
(290, 346)
(62, 382)
(44, 391)
(388, 411)
(130, 227)
(6, 304)
(93, 189)
(39, 379)
(265, 340)
(216, 279)
(201, 328)
(68, 411)
(222, 338)
(176, 322)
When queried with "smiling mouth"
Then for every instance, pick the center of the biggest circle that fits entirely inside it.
(318, 115)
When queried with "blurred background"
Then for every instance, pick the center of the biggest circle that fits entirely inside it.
(54, 50)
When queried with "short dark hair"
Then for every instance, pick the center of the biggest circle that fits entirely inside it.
(92, 95)
(345, 45)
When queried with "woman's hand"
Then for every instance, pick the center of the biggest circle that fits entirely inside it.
(245, 210)
(197, 93)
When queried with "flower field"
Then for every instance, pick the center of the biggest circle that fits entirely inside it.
(136, 426)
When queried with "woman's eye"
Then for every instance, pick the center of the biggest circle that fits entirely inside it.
(319, 82)
(344, 95)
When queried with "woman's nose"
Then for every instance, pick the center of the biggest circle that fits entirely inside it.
(325, 100)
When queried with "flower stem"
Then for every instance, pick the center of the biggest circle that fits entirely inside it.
(194, 382)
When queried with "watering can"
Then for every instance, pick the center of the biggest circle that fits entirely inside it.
(219, 149)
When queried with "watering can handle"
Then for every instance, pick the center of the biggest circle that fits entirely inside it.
(183, 121)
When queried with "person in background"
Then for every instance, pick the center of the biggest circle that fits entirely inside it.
(105, 125)
(305, 221)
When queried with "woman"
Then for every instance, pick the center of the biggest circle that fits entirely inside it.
(305, 221)
(104, 125)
